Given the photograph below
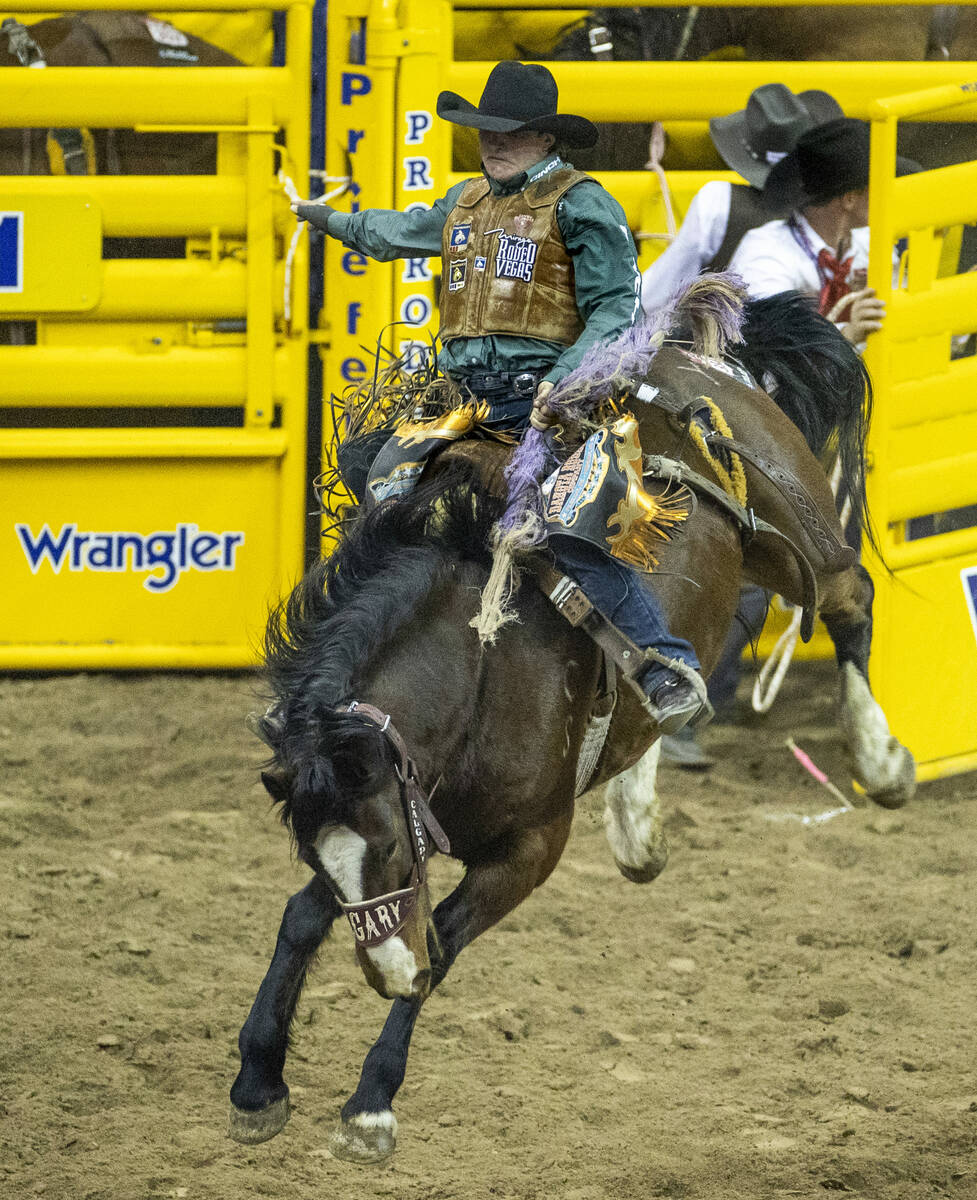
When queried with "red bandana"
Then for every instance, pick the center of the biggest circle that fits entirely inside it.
(835, 276)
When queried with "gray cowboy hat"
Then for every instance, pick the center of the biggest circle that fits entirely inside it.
(518, 96)
(754, 139)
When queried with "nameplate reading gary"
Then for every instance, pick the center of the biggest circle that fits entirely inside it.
(162, 556)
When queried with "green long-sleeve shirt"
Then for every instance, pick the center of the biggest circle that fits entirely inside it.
(596, 234)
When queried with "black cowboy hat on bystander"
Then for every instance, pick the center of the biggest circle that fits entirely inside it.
(827, 161)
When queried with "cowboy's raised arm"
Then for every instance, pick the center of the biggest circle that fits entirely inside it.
(384, 234)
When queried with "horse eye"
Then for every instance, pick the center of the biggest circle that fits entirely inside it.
(389, 850)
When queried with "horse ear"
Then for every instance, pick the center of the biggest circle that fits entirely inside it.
(275, 786)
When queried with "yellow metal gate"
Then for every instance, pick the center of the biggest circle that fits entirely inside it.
(922, 486)
(152, 483)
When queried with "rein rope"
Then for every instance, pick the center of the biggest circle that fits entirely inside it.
(378, 919)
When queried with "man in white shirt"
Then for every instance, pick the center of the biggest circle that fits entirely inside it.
(751, 141)
(821, 247)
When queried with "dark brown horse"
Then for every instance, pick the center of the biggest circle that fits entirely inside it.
(105, 39)
(495, 733)
(810, 33)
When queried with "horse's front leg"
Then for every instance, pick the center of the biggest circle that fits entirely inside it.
(880, 762)
(493, 886)
(259, 1095)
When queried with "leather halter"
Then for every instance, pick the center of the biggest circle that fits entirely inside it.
(375, 921)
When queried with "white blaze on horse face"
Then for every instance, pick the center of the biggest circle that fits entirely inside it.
(341, 851)
(396, 964)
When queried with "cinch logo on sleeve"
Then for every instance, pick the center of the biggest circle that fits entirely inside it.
(11, 252)
(163, 556)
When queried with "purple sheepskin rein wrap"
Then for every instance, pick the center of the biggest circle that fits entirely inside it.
(712, 304)
(528, 466)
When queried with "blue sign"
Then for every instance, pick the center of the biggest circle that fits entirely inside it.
(460, 235)
(968, 577)
(11, 252)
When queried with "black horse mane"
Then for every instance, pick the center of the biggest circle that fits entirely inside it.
(821, 382)
(337, 617)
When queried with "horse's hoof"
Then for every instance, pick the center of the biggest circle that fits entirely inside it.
(902, 786)
(365, 1138)
(253, 1127)
(880, 763)
(649, 870)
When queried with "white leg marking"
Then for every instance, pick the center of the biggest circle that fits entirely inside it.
(880, 763)
(378, 1120)
(632, 818)
(396, 964)
(365, 1137)
(341, 852)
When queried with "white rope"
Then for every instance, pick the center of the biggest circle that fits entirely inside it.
(687, 28)
(775, 668)
(814, 770)
(767, 684)
(291, 191)
(656, 151)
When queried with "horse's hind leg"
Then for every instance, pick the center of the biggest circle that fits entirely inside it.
(367, 1131)
(633, 821)
(259, 1095)
(881, 764)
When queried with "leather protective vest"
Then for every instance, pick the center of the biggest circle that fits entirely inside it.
(505, 268)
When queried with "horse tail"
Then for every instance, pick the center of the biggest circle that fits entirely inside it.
(817, 379)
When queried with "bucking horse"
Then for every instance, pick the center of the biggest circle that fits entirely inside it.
(401, 727)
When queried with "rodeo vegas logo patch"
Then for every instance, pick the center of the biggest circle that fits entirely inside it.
(515, 258)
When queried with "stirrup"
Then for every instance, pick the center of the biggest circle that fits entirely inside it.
(631, 661)
(701, 716)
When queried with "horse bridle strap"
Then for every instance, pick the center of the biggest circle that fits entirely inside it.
(376, 920)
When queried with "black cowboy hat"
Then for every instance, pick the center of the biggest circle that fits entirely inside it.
(754, 139)
(827, 161)
(518, 96)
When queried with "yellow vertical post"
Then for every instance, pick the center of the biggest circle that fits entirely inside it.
(295, 500)
(878, 354)
(261, 260)
(422, 159)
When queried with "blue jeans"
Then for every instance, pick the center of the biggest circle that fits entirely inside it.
(622, 595)
(508, 413)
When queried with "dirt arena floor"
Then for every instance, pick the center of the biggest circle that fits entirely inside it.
(788, 1011)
